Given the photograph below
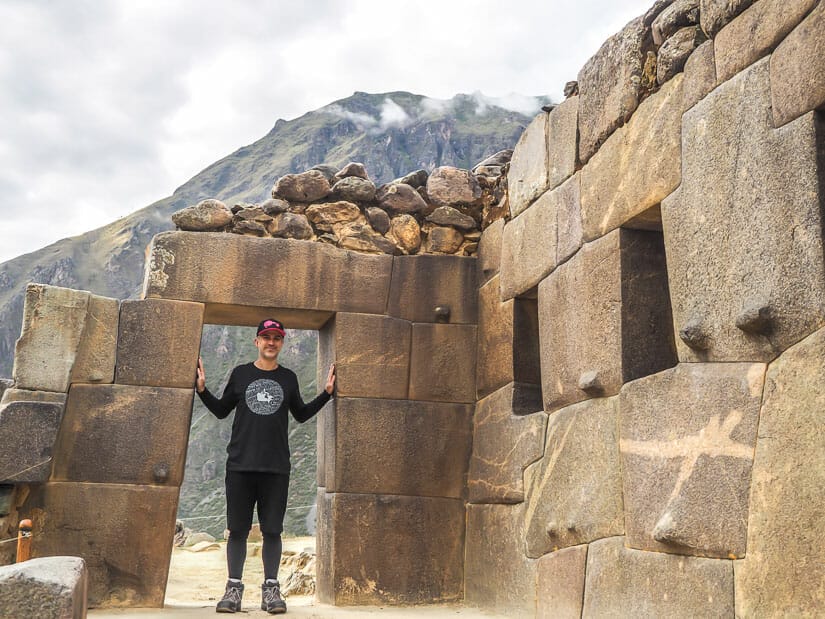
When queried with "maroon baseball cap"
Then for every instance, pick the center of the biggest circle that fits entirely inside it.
(270, 324)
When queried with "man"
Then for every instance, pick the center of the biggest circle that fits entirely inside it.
(257, 466)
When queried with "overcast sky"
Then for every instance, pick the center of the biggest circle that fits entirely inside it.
(109, 105)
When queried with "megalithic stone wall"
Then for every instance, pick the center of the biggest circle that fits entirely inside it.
(675, 268)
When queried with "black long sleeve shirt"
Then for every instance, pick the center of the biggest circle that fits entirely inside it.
(261, 399)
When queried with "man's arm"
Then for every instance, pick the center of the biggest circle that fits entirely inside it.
(304, 412)
(220, 408)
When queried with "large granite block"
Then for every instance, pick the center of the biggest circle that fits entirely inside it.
(715, 14)
(604, 318)
(562, 141)
(610, 86)
(391, 549)
(46, 588)
(433, 289)
(497, 575)
(687, 439)
(278, 275)
(540, 238)
(122, 434)
(755, 33)
(443, 364)
(527, 178)
(28, 431)
(574, 492)
(744, 242)
(783, 572)
(700, 75)
(637, 166)
(631, 583)
(508, 340)
(97, 351)
(53, 323)
(399, 447)
(372, 356)
(505, 441)
(158, 343)
(798, 70)
(488, 256)
(560, 583)
(124, 533)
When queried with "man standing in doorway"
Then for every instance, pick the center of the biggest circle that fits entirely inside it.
(257, 466)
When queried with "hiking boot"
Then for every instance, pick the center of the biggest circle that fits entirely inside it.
(231, 600)
(271, 600)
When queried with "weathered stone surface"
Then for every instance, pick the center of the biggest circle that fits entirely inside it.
(637, 166)
(449, 216)
(205, 215)
(274, 206)
(378, 219)
(390, 549)
(53, 323)
(277, 273)
(329, 171)
(562, 138)
(489, 251)
(399, 447)
(783, 572)
(352, 170)
(675, 51)
(610, 86)
(95, 361)
(536, 241)
(715, 14)
(494, 556)
(508, 434)
(332, 213)
(420, 284)
(397, 198)
(528, 178)
(372, 355)
(22, 395)
(359, 236)
(5, 385)
(45, 588)
(631, 583)
(772, 254)
(449, 186)
(700, 75)
(560, 583)
(158, 343)
(574, 492)
(353, 189)
(405, 232)
(415, 179)
(755, 33)
(677, 15)
(498, 159)
(687, 438)
(251, 213)
(591, 348)
(797, 70)
(308, 186)
(249, 227)
(123, 434)
(443, 240)
(442, 364)
(508, 341)
(28, 430)
(290, 226)
(98, 522)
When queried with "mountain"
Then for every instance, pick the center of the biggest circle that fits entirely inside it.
(391, 133)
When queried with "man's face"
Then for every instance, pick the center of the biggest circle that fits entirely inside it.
(269, 345)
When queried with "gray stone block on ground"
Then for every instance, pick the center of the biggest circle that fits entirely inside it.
(45, 588)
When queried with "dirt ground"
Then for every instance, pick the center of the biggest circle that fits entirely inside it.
(197, 579)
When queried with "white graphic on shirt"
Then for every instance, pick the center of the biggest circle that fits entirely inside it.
(264, 396)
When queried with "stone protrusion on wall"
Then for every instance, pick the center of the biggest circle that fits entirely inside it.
(797, 70)
(636, 167)
(539, 239)
(560, 583)
(622, 582)
(589, 349)
(497, 574)
(687, 441)
(757, 285)
(131, 527)
(364, 538)
(783, 572)
(507, 437)
(158, 343)
(123, 434)
(574, 492)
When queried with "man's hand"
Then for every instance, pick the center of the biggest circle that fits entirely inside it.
(330, 380)
(200, 381)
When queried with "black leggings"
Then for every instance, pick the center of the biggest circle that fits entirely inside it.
(243, 491)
